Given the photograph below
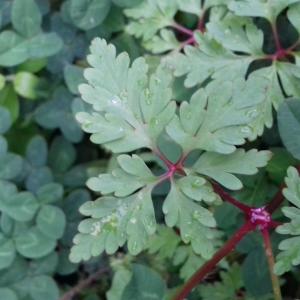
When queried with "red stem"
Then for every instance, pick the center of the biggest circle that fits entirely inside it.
(276, 38)
(207, 267)
(228, 198)
(183, 29)
(201, 22)
(271, 263)
(83, 284)
(189, 41)
(162, 157)
(276, 201)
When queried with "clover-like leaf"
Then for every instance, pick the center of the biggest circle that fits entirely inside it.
(290, 247)
(7, 251)
(144, 284)
(26, 17)
(20, 206)
(43, 287)
(16, 49)
(8, 294)
(87, 14)
(128, 112)
(57, 113)
(51, 221)
(33, 243)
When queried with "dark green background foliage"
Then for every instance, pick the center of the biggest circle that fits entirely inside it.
(46, 158)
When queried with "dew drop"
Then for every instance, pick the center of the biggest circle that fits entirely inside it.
(140, 195)
(246, 130)
(252, 113)
(134, 247)
(197, 183)
(133, 220)
(115, 101)
(188, 115)
(157, 80)
(155, 121)
(124, 95)
(186, 237)
(141, 82)
(149, 224)
(197, 215)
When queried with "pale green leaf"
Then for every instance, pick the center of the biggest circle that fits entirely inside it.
(196, 223)
(151, 16)
(268, 9)
(221, 167)
(131, 176)
(293, 16)
(216, 119)
(128, 111)
(289, 125)
(164, 41)
(290, 247)
(112, 222)
(212, 59)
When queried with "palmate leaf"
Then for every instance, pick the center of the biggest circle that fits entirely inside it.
(151, 16)
(269, 9)
(290, 247)
(216, 118)
(196, 223)
(227, 50)
(153, 20)
(112, 222)
(130, 109)
(221, 167)
(131, 176)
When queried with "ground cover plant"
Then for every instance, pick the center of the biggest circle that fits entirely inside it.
(149, 149)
